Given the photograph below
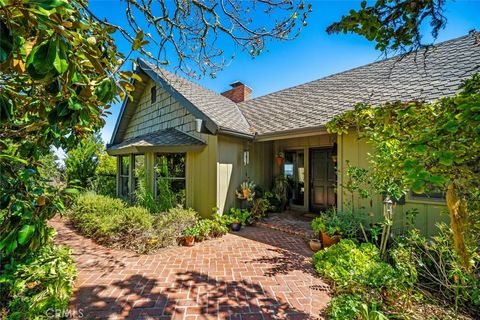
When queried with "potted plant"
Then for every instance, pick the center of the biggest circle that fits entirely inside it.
(246, 190)
(280, 158)
(327, 229)
(239, 217)
(333, 225)
(189, 236)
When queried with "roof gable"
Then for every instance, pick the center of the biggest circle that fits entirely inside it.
(218, 112)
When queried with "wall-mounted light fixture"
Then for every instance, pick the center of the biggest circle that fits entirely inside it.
(246, 157)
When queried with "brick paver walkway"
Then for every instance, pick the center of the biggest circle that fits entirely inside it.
(254, 274)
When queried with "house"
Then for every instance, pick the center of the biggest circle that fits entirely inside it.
(202, 145)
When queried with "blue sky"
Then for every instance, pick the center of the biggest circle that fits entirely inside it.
(311, 56)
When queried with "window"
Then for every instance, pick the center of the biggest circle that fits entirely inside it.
(294, 171)
(170, 179)
(124, 173)
(435, 195)
(139, 169)
(153, 94)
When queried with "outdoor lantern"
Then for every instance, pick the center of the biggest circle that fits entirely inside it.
(334, 152)
(388, 207)
(246, 157)
(199, 123)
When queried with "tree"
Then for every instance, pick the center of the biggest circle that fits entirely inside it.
(394, 25)
(61, 70)
(81, 163)
(49, 168)
(426, 146)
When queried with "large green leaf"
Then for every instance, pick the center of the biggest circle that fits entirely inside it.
(438, 180)
(25, 233)
(418, 186)
(446, 158)
(61, 63)
(51, 4)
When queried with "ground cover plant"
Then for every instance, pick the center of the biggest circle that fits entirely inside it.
(38, 285)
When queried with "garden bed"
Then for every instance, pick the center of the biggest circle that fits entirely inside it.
(113, 223)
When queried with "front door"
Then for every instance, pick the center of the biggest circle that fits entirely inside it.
(322, 180)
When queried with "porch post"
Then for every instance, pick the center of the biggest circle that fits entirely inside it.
(118, 175)
(150, 172)
(131, 176)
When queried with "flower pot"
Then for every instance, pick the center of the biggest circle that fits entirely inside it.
(189, 241)
(236, 226)
(328, 241)
(315, 245)
(280, 161)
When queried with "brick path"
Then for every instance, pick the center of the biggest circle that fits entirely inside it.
(290, 222)
(254, 274)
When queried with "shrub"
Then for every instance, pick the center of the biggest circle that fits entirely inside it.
(239, 215)
(169, 226)
(344, 223)
(344, 306)
(40, 282)
(437, 268)
(259, 207)
(97, 216)
(353, 267)
(111, 222)
(209, 229)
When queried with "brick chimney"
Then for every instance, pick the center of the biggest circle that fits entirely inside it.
(238, 93)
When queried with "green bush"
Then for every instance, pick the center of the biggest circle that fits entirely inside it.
(38, 285)
(435, 266)
(344, 223)
(344, 306)
(239, 215)
(353, 267)
(210, 229)
(112, 223)
(168, 226)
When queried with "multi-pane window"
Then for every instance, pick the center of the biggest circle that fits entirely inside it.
(124, 173)
(139, 170)
(435, 194)
(170, 179)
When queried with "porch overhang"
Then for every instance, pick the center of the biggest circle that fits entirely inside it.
(168, 140)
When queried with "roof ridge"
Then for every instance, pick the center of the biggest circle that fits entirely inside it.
(401, 56)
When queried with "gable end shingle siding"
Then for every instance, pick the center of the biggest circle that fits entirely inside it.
(221, 110)
(163, 114)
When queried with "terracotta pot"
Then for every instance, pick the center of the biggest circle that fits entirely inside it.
(189, 241)
(328, 241)
(280, 161)
(315, 245)
(246, 193)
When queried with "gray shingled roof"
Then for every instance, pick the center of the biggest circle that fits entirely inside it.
(222, 111)
(165, 138)
(433, 75)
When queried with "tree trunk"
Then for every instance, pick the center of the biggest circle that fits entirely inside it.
(458, 219)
